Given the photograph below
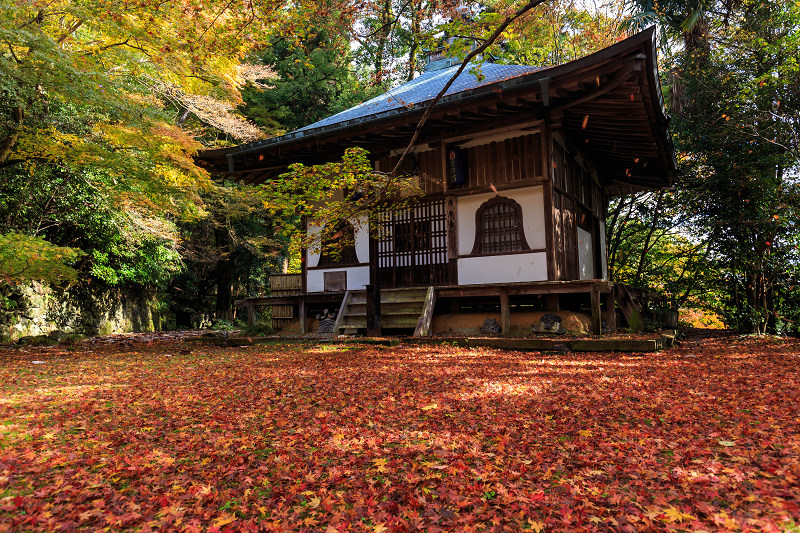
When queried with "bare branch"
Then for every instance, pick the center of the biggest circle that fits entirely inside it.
(497, 33)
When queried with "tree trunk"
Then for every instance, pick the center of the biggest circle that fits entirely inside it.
(646, 245)
(224, 275)
(7, 145)
(383, 37)
(416, 15)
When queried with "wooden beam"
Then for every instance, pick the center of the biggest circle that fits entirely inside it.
(611, 312)
(423, 328)
(373, 310)
(301, 312)
(549, 213)
(505, 313)
(524, 288)
(596, 322)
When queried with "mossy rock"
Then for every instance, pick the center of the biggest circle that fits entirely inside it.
(37, 340)
(57, 334)
(70, 339)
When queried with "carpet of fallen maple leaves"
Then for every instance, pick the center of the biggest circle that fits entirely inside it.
(165, 435)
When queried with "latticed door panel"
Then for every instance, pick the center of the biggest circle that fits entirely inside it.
(412, 246)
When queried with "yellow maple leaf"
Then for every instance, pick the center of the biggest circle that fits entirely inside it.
(224, 520)
(430, 407)
(380, 464)
(675, 515)
(314, 502)
(380, 528)
(585, 433)
(537, 527)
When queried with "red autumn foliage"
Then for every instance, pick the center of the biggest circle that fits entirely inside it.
(282, 438)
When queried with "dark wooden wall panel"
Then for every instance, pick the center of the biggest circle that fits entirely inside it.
(558, 235)
(494, 163)
(429, 167)
(577, 194)
(570, 239)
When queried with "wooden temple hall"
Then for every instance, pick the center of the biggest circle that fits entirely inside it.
(521, 165)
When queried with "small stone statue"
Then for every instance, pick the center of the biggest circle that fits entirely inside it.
(326, 322)
(549, 323)
(490, 326)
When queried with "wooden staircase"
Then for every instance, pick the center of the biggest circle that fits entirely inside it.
(631, 307)
(401, 309)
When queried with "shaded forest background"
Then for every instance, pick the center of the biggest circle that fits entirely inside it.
(105, 103)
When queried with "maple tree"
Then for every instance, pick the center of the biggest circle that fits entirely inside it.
(25, 258)
(94, 158)
(140, 434)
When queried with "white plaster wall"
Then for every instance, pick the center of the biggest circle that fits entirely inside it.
(502, 268)
(362, 242)
(357, 277)
(585, 254)
(531, 199)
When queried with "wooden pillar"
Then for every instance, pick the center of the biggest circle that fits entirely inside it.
(301, 314)
(553, 302)
(596, 324)
(505, 313)
(373, 310)
(611, 311)
(549, 211)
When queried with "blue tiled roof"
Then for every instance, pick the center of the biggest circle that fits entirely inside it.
(425, 88)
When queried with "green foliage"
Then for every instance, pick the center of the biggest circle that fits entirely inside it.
(733, 89)
(229, 252)
(648, 248)
(326, 195)
(124, 262)
(314, 80)
(559, 32)
(24, 258)
(63, 208)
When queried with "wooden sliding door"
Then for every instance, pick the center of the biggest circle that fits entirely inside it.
(412, 246)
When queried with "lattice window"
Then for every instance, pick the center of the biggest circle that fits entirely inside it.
(412, 248)
(413, 236)
(338, 247)
(498, 227)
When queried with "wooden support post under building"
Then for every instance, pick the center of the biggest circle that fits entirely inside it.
(301, 314)
(505, 313)
(373, 310)
(596, 323)
(611, 312)
(552, 302)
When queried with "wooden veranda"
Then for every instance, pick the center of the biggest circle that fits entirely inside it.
(601, 297)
